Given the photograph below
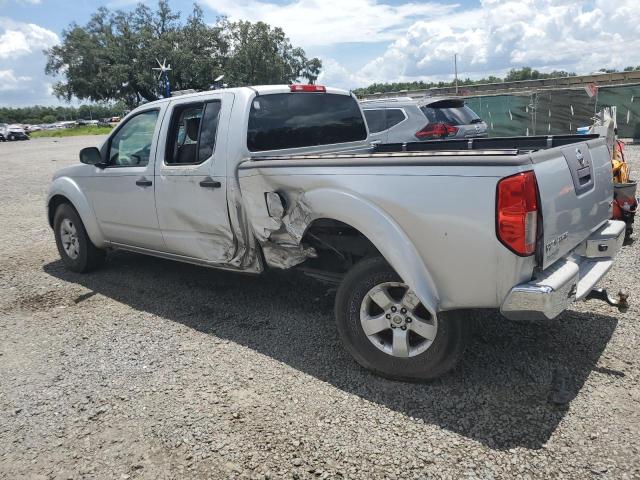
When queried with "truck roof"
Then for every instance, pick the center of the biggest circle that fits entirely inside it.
(259, 89)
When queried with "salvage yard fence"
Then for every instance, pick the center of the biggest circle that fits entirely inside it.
(550, 112)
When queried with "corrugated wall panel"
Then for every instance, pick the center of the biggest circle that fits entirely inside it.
(557, 111)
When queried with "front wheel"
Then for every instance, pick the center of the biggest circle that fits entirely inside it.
(385, 327)
(76, 250)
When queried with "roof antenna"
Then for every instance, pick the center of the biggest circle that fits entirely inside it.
(162, 70)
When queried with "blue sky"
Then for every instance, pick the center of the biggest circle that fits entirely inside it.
(364, 41)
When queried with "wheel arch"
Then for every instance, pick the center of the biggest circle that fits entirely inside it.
(65, 190)
(381, 230)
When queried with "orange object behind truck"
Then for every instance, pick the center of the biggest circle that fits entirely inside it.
(625, 203)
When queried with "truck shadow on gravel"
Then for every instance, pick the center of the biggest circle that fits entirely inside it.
(498, 395)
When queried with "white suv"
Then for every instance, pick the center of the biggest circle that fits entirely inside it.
(403, 119)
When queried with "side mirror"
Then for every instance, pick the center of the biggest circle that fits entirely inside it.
(91, 156)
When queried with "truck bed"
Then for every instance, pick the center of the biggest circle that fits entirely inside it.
(510, 144)
(488, 151)
(573, 176)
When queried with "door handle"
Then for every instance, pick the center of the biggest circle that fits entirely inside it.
(143, 182)
(210, 183)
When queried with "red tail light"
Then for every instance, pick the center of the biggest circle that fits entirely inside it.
(517, 212)
(436, 130)
(297, 87)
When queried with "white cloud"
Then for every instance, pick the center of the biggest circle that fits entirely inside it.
(17, 38)
(334, 74)
(544, 34)
(10, 81)
(329, 22)
(581, 36)
(4, 3)
(22, 77)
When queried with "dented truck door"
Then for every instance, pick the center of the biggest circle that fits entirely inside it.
(191, 187)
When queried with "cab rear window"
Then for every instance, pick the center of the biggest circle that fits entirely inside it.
(293, 120)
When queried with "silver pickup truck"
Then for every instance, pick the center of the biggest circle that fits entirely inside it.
(414, 234)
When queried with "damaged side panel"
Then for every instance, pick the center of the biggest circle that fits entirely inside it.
(278, 223)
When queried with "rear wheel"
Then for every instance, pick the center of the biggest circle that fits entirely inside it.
(76, 250)
(383, 324)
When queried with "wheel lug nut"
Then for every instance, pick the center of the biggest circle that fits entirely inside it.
(403, 310)
(408, 319)
(403, 327)
(393, 309)
(388, 316)
(393, 326)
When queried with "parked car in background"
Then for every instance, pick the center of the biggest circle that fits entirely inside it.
(16, 132)
(4, 131)
(403, 119)
(82, 122)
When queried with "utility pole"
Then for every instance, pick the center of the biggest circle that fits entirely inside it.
(455, 69)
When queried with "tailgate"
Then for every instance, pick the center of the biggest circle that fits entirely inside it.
(576, 191)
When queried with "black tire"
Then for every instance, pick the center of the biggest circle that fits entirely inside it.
(11, 137)
(441, 356)
(89, 256)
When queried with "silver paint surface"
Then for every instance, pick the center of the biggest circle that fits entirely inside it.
(431, 215)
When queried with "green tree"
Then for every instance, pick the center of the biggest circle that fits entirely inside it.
(260, 54)
(112, 57)
(32, 120)
(526, 73)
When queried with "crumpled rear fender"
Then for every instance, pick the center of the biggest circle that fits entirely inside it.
(383, 231)
(69, 189)
(281, 237)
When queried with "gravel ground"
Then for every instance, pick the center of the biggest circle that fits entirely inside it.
(154, 369)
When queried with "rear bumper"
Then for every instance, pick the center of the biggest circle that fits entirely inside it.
(570, 278)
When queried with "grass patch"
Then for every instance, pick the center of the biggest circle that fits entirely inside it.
(73, 132)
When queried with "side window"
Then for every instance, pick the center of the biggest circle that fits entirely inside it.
(375, 120)
(209, 130)
(394, 116)
(192, 137)
(131, 145)
(382, 119)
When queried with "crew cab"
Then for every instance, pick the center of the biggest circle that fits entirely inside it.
(415, 234)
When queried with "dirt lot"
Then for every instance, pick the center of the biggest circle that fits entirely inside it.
(153, 369)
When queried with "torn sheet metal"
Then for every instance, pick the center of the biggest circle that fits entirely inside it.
(298, 219)
(284, 256)
(276, 223)
(282, 246)
(246, 256)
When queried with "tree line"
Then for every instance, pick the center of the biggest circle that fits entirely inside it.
(40, 114)
(112, 57)
(514, 75)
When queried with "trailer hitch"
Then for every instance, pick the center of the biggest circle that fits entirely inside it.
(601, 294)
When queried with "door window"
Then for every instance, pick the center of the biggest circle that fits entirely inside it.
(375, 120)
(383, 119)
(131, 145)
(192, 136)
(395, 116)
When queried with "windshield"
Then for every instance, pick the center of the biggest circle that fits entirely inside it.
(293, 120)
(452, 112)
